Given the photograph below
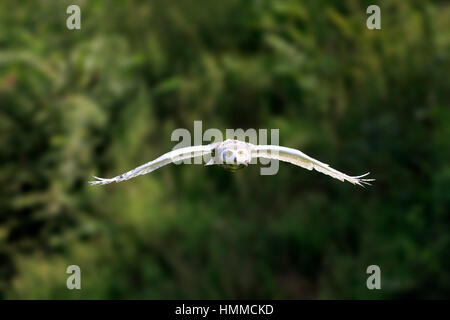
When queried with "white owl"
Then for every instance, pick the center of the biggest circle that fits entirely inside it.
(233, 155)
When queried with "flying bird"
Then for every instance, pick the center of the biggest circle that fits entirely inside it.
(233, 155)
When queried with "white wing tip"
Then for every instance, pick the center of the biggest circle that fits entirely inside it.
(100, 181)
(361, 182)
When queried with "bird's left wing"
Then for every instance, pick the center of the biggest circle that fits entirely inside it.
(175, 155)
(300, 159)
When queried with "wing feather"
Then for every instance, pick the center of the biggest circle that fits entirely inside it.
(298, 158)
(165, 159)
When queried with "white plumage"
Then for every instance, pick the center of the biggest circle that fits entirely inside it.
(233, 155)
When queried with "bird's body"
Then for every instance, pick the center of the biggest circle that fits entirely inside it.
(234, 155)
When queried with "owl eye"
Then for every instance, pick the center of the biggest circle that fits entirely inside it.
(229, 153)
(241, 153)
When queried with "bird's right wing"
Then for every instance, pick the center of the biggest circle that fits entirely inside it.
(172, 156)
(300, 159)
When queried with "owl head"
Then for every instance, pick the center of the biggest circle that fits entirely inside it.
(239, 156)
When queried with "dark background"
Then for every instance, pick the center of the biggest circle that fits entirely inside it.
(106, 98)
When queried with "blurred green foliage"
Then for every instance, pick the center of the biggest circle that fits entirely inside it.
(106, 98)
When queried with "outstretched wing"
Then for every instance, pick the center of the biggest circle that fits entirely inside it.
(175, 155)
(300, 159)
